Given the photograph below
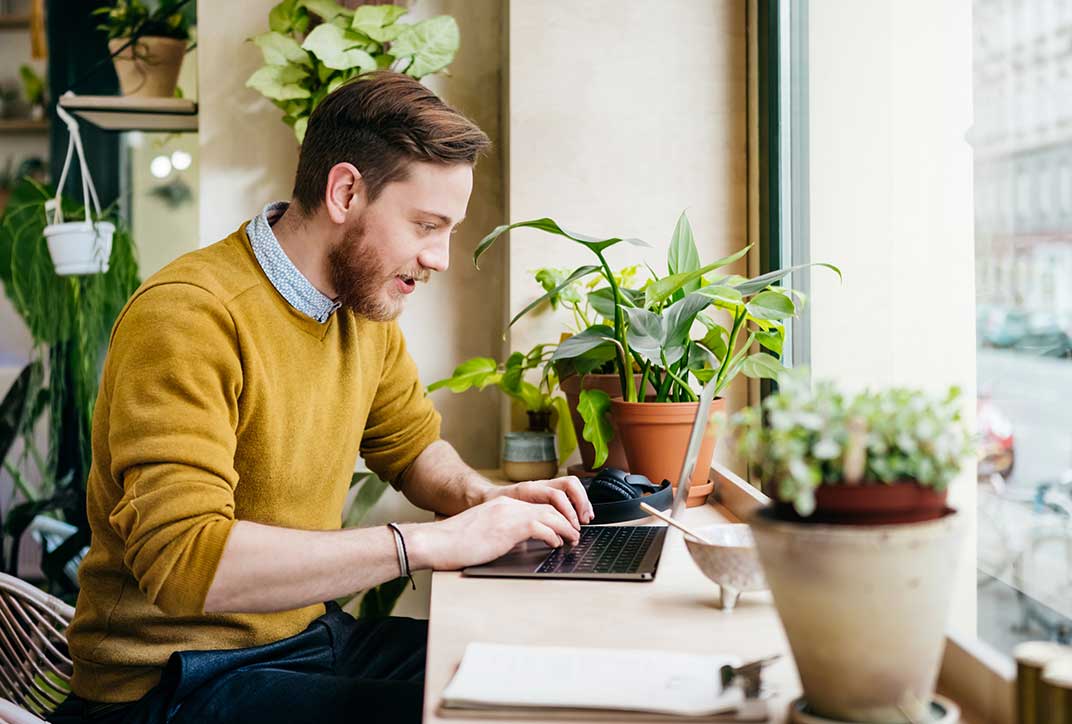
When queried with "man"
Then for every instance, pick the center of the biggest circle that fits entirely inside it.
(241, 384)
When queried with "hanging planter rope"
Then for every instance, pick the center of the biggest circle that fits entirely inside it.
(77, 247)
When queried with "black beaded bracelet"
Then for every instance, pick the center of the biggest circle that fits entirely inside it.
(405, 554)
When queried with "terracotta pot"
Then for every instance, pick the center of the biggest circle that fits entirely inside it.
(149, 68)
(872, 503)
(864, 609)
(610, 384)
(655, 436)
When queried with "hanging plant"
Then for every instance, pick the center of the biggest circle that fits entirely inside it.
(302, 68)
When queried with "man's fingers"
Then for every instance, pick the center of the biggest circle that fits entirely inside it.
(571, 484)
(561, 503)
(551, 517)
(545, 533)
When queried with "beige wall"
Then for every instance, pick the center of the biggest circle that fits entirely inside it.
(891, 203)
(620, 116)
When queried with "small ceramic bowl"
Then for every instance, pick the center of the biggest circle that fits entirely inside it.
(730, 561)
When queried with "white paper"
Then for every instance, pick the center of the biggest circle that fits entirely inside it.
(667, 682)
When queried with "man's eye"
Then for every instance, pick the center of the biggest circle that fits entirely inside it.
(429, 228)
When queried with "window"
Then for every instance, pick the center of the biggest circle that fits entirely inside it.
(1022, 139)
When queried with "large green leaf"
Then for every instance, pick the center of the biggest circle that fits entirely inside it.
(595, 337)
(587, 361)
(551, 227)
(565, 435)
(513, 371)
(683, 256)
(602, 300)
(288, 17)
(380, 601)
(578, 273)
(327, 9)
(723, 296)
(771, 305)
(368, 494)
(593, 407)
(645, 335)
(279, 49)
(476, 372)
(431, 45)
(662, 289)
(336, 48)
(680, 316)
(655, 337)
(761, 366)
(717, 337)
(378, 21)
(279, 82)
(751, 286)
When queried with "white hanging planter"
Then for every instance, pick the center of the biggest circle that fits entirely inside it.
(77, 247)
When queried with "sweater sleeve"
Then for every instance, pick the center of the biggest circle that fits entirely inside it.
(173, 378)
(402, 421)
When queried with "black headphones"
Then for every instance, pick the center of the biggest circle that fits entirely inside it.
(611, 485)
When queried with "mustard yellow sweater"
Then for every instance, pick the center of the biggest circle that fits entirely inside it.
(221, 402)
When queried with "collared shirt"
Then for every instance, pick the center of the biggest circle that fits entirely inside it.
(280, 270)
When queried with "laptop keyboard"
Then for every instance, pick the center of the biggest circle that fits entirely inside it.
(602, 550)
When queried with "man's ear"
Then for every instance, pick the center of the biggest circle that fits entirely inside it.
(345, 192)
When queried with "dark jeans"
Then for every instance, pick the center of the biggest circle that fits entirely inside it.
(339, 669)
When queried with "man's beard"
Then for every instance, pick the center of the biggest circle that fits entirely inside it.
(359, 278)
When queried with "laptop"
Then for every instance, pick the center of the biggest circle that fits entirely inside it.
(615, 552)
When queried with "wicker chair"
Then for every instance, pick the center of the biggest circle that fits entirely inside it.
(35, 667)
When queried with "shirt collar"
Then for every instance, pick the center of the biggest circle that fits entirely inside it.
(280, 270)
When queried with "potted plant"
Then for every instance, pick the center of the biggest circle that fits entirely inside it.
(301, 68)
(33, 87)
(649, 331)
(592, 373)
(859, 531)
(147, 45)
(542, 406)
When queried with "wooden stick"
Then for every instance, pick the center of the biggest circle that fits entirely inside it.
(670, 521)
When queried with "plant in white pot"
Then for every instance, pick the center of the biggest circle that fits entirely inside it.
(859, 547)
(649, 332)
(147, 43)
(545, 409)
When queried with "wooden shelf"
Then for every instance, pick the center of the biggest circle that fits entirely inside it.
(23, 125)
(13, 22)
(118, 113)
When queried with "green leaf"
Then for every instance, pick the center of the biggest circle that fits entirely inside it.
(723, 296)
(327, 9)
(278, 82)
(335, 83)
(750, 286)
(430, 43)
(471, 373)
(771, 305)
(564, 432)
(654, 336)
(578, 273)
(595, 337)
(662, 289)
(279, 49)
(512, 375)
(371, 490)
(717, 337)
(380, 601)
(645, 335)
(530, 396)
(683, 256)
(334, 47)
(299, 128)
(281, 18)
(761, 366)
(772, 340)
(593, 407)
(551, 227)
(377, 21)
(680, 316)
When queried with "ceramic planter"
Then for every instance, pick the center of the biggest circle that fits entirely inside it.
(655, 435)
(80, 247)
(149, 68)
(529, 456)
(872, 503)
(611, 384)
(864, 609)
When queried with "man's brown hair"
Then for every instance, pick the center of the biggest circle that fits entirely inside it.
(381, 122)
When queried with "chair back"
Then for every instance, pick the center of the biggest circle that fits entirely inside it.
(35, 666)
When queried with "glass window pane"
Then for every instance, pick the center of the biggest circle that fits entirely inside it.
(1022, 137)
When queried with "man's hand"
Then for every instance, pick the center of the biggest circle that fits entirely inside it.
(566, 494)
(485, 532)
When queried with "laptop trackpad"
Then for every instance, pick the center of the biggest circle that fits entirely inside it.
(526, 556)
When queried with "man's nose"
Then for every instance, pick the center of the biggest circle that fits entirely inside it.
(437, 256)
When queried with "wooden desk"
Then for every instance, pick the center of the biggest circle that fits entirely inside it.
(678, 610)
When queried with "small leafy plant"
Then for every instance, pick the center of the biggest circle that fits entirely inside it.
(509, 376)
(802, 437)
(130, 18)
(302, 68)
(649, 330)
